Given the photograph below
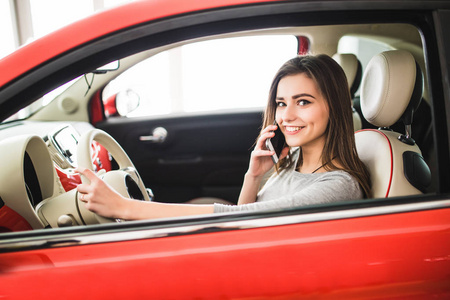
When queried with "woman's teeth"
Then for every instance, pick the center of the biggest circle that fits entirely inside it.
(292, 129)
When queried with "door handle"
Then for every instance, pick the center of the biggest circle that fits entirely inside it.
(159, 135)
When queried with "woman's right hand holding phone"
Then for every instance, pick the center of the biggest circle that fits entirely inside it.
(261, 158)
(260, 163)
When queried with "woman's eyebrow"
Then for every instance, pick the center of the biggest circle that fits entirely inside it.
(303, 95)
(297, 96)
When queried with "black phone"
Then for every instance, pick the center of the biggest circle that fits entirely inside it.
(276, 144)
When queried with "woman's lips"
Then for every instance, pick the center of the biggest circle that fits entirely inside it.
(292, 129)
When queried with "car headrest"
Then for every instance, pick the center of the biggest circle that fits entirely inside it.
(391, 83)
(352, 69)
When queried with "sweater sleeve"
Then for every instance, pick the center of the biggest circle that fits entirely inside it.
(335, 187)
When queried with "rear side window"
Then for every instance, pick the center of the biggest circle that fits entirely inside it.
(363, 48)
(221, 74)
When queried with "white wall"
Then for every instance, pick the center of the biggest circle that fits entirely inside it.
(22, 21)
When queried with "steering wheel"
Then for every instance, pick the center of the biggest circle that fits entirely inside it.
(126, 180)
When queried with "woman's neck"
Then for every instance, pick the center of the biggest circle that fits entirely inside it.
(312, 160)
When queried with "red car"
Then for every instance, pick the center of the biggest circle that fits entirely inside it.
(175, 90)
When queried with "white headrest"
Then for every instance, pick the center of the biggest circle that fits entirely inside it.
(349, 63)
(387, 86)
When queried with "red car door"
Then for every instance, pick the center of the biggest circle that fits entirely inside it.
(364, 253)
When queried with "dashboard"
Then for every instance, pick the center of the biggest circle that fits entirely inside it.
(39, 159)
(63, 144)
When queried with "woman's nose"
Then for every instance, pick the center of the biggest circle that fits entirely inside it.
(288, 114)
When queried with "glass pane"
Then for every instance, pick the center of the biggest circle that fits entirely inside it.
(150, 80)
(6, 29)
(49, 15)
(234, 72)
(363, 48)
(212, 75)
(112, 3)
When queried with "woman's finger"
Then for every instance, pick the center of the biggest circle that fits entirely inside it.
(270, 128)
(87, 173)
(261, 143)
(83, 188)
(260, 153)
(83, 197)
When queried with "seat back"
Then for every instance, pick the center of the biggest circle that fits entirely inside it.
(391, 90)
(353, 71)
(352, 68)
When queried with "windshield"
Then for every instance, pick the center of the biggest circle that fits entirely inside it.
(41, 102)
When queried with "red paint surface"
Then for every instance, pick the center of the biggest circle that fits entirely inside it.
(303, 45)
(100, 157)
(95, 109)
(404, 256)
(103, 23)
(110, 106)
(68, 180)
(11, 221)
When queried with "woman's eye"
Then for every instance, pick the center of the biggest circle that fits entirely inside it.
(303, 102)
(281, 104)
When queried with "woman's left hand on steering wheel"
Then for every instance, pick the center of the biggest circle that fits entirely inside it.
(99, 197)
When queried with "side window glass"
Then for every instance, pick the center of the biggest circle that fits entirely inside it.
(363, 48)
(221, 74)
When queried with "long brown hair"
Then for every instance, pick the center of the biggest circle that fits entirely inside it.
(340, 139)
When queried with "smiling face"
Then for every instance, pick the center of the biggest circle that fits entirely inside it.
(302, 112)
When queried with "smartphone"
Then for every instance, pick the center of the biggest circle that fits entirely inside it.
(276, 144)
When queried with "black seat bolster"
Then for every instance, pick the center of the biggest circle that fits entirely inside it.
(416, 170)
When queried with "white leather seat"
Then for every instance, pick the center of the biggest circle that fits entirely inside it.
(353, 71)
(208, 200)
(391, 90)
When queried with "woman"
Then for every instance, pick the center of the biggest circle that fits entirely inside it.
(310, 101)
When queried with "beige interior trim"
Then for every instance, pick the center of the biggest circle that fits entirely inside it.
(13, 188)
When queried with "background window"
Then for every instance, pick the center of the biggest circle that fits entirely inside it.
(48, 15)
(8, 43)
(220, 74)
(22, 21)
(363, 48)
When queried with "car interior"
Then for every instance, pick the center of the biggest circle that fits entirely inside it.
(135, 125)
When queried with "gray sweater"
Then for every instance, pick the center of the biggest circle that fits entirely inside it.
(292, 189)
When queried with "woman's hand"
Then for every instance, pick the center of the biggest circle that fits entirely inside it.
(100, 198)
(261, 160)
(260, 163)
